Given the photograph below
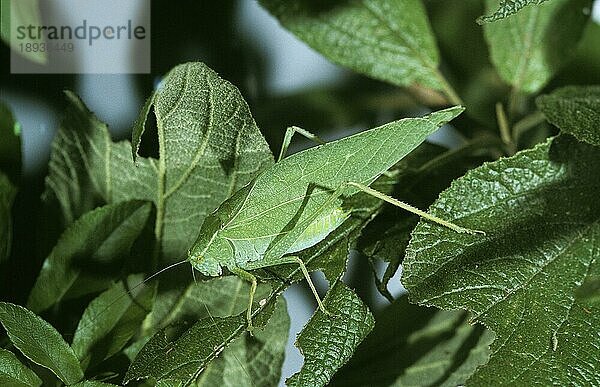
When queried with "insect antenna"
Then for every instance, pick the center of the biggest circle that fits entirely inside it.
(129, 292)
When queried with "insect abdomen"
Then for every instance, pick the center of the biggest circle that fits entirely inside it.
(319, 229)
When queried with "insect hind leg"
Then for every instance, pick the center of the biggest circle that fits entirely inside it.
(414, 210)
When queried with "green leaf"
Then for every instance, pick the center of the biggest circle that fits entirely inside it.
(99, 237)
(530, 47)
(416, 346)
(178, 353)
(328, 341)
(507, 8)
(7, 195)
(40, 342)
(110, 321)
(575, 110)
(21, 13)
(542, 218)
(13, 373)
(209, 145)
(10, 146)
(386, 40)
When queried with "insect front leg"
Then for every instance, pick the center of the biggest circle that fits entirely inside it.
(247, 276)
(287, 139)
(412, 209)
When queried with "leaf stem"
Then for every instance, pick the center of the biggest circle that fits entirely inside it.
(485, 142)
(515, 101)
(505, 131)
(528, 122)
(447, 88)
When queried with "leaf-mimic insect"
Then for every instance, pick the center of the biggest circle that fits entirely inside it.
(299, 200)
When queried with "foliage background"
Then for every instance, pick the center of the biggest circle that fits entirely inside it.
(283, 81)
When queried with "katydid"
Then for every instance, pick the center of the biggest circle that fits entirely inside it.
(298, 201)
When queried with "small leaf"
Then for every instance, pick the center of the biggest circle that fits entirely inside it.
(40, 342)
(540, 211)
(574, 110)
(10, 146)
(507, 8)
(14, 373)
(98, 237)
(416, 346)
(328, 341)
(7, 195)
(530, 47)
(110, 321)
(387, 40)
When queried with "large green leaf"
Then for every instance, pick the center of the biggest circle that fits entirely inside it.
(387, 40)
(209, 145)
(416, 346)
(524, 279)
(40, 342)
(10, 146)
(7, 195)
(14, 373)
(507, 8)
(575, 110)
(188, 354)
(110, 321)
(329, 340)
(100, 237)
(530, 47)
